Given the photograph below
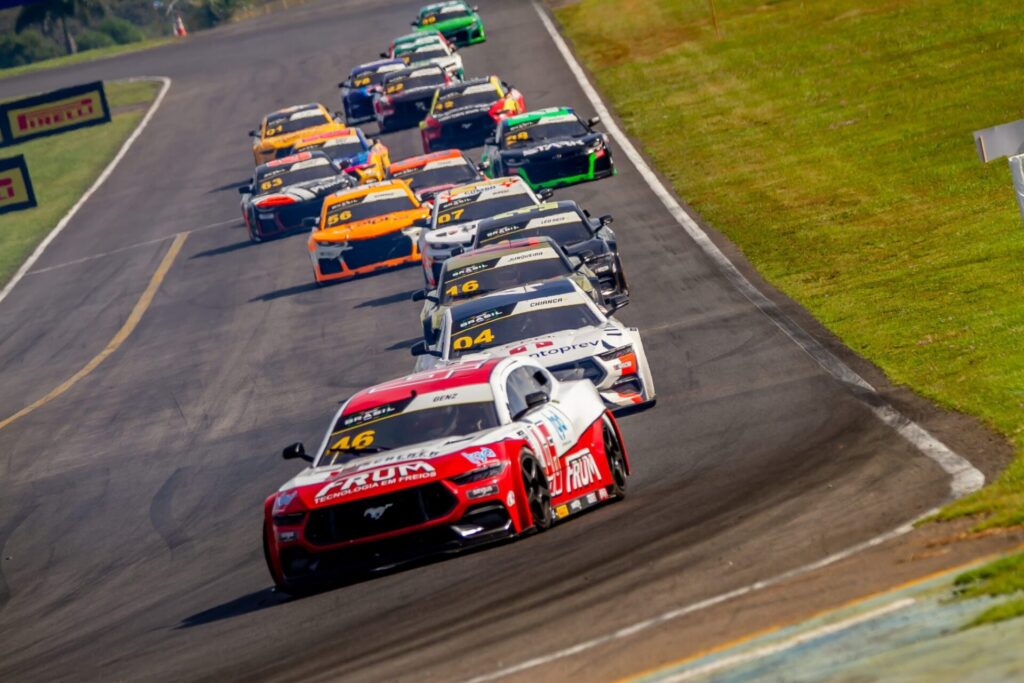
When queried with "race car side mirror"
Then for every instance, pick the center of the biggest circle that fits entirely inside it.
(310, 222)
(537, 398)
(419, 295)
(252, 133)
(593, 121)
(458, 250)
(482, 166)
(244, 189)
(412, 23)
(344, 84)
(546, 193)
(614, 303)
(607, 219)
(576, 262)
(338, 117)
(296, 452)
(420, 349)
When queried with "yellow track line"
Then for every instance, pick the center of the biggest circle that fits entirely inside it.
(122, 334)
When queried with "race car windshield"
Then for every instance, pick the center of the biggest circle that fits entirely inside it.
(444, 15)
(569, 230)
(338, 149)
(421, 55)
(274, 180)
(456, 174)
(295, 123)
(475, 280)
(371, 77)
(542, 130)
(482, 208)
(400, 85)
(466, 98)
(340, 213)
(507, 329)
(353, 438)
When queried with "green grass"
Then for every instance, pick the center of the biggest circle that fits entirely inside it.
(1002, 577)
(833, 145)
(87, 56)
(62, 167)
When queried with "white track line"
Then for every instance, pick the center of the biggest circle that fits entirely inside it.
(137, 245)
(657, 620)
(788, 644)
(965, 478)
(27, 265)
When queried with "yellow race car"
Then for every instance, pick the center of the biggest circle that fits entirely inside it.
(367, 228)
(366, 160)
(282, 128)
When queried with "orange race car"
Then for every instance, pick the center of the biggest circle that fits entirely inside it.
(282, 128)
(367, 228)
(365, 160)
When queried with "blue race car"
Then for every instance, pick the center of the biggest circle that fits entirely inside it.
(357, 90)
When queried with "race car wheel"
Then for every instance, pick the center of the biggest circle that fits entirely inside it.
(616, 460)
(538, 493)
(278, 584)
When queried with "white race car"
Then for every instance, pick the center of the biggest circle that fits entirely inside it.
(556, 323)
(436, 53)
(458, 210)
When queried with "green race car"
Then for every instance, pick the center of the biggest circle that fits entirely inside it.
(457, 22)
(548, 148)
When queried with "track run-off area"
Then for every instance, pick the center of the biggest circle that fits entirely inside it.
(131, 501)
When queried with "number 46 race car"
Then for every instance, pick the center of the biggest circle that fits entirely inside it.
(440, 461)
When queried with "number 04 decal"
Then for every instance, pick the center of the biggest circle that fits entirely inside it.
(468, 341)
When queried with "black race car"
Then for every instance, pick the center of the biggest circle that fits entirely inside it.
(465, 114)
(549, 148)
(286, 191)
(589, 240)
(405, 96)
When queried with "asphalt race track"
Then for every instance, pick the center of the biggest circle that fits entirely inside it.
(130, 509)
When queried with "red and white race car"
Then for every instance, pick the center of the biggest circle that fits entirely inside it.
(439, 461)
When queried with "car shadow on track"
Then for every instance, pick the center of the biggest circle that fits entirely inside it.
(286, 291)
(253, 602)
(226, 249)
(404, 344)
(229, 186)
(395, 298)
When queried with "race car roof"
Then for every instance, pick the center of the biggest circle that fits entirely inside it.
(450, 377)
(495, 250)
(534, 211)
(294, 109)
(424, 159)
(542, 290)
(292, 160)
(536, 114)
(366, 190)
(373, 66)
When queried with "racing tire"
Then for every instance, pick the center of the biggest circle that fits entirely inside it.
(538, 492)
(616, 460)
(280, 586)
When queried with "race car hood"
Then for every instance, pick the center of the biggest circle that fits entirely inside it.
(370, 227)
(455, 115)
(308, 190)
(561, 347)
(552, 146)
(453, 24)
(421, 93)
(288, 139)
(389, 471)
(453, 235)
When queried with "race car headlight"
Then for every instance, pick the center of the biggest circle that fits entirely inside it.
(331, 244)
(596, 147)
(480, 474)
(290, 519)
(600, 265)
(625, 356)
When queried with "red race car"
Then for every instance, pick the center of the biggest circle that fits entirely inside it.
(440, 461)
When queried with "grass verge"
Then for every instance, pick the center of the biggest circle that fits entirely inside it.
(1002, 577)
(87, 56)
(832, 143)
(62, 168)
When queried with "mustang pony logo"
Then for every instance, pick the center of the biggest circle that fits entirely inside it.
(376, 513)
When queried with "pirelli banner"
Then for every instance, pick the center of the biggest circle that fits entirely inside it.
(53, 112)
(15, 185)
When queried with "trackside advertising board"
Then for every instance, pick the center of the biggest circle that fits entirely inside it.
(15, 185)
(53, 112)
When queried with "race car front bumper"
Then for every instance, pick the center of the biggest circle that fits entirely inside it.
(559, 171)
(616, 374)
(345, 260)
